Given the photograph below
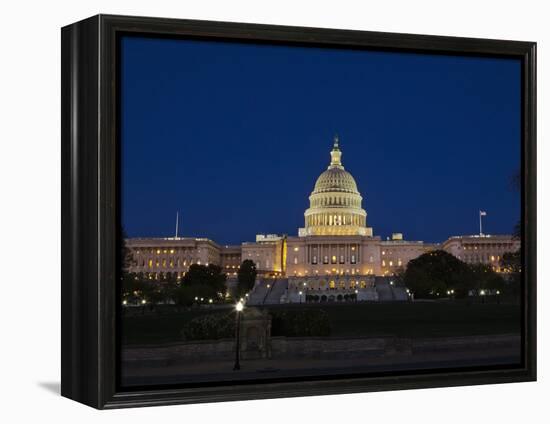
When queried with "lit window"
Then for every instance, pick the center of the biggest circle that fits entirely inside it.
(383, 262)
(325, 260)
(158, 252)
(353, 259)
(295, 260)
(383, 252)
(342, 259)
(296, 249)
(314, 260)
(150, 264)
(333, 259)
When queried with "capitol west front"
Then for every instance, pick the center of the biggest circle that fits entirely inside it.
(335, 254)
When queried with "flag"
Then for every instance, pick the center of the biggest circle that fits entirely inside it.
(482, 213)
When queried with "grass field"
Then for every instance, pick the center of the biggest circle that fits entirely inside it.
(420, 319)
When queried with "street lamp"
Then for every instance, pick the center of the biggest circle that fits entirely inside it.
(238, 308)
(300, 293)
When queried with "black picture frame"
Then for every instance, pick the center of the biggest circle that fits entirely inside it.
(90, 208)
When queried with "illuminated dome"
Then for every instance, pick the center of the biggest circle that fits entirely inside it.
(335, 203)
(335, 179)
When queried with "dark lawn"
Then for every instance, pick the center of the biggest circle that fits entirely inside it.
(420, 319)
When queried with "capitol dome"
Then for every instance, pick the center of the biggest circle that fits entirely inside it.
(335, 202)
(335, 179)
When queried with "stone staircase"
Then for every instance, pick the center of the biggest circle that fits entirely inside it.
(399, 294)
(383, 288)
(390, 293)
(258, 293)
(277, 289)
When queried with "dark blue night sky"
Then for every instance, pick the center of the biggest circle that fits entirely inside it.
(234, 136)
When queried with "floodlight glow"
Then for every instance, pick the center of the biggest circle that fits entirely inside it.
(239, 306)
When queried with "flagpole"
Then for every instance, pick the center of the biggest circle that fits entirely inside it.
(480, 228)
(177, 221)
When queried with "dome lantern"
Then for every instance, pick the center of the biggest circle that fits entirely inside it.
(335, 154)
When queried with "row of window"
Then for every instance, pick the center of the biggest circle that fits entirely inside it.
(346, 219)
(333, 259)
(480, 258)
(168, 251)
(399, 262)
(167, 263)
(499, 246)
(342, 284)
(339, 201)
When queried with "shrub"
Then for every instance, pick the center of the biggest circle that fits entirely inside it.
(300, 323)
(210, 327)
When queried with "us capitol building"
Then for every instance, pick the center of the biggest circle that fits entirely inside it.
(335, 254)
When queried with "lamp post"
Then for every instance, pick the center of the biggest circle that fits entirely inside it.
(300, 293)
(238, 308)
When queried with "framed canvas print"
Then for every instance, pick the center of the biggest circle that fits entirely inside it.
(254, 211)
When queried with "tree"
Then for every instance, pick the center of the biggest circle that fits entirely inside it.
(510, 264)
(246, 277)
(201, 281)
(485, 278)
(126, 257)
(436, 272)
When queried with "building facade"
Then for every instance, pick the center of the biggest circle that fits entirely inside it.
(335, 251)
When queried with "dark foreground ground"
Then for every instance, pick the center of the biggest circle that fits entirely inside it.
(418, 319)
(484, 351)
(365, 338)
